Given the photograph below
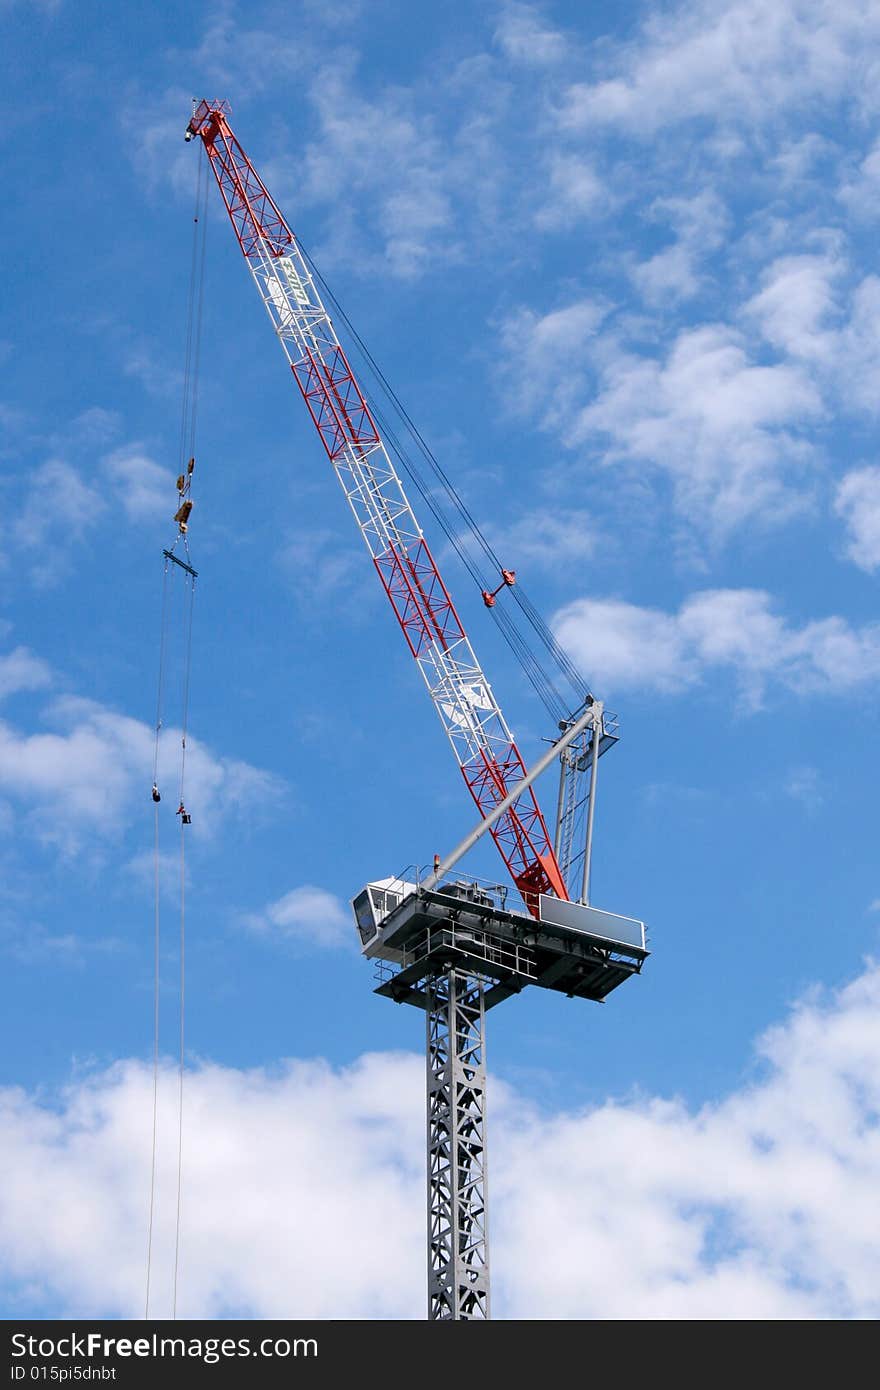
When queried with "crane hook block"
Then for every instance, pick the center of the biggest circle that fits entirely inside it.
(190, 466)
(156, 796)
(181, 516)
(181, 483)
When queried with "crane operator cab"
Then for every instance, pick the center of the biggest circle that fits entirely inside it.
(373, 905)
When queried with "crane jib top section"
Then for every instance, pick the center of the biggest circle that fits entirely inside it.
(475, 726)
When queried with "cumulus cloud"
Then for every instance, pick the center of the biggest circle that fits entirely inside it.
(574, 190)
(321, 562)
(803, 784)
(547, 539)
(93, 767)
(797, 304)
(388, 150)
(628, 647)
(306, 916)
(20, 669)
(742, 1209)
(743, 63)
(727, 431)
(524, 37)
(58, 503)
(304, 1189)
(674, 273)
(807, 311)
(860, 189)
(62, 504)
(145, 489)
(858, 503)
(533, 345)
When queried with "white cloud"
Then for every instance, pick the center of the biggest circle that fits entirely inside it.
(146, 489)
(388, 151)
(303, 1190)
(306, 916)
(546, 539)
(21, 670)
(860, 190)
(240, 58)
(741, 1210)
(575, 191)
(803, 784)
(624, 646)
(728, 431)
(31, 943)
(673, 273)
(858, 502)
(797, 307)
(87, 776)
(58, 504)
(92, 428)
(532, 347)
(320, 561)
(524, 38)
(806, 311)
(742, 62)
(153, 125)
(61, 505)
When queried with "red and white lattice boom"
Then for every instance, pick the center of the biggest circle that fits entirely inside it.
(481, 740)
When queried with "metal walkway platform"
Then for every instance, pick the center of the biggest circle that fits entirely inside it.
(459, 926)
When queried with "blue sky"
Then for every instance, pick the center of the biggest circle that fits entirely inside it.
(619, 263)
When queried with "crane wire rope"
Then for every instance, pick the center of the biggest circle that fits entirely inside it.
(187, 663)
(530, 613)
(537, 677)
(186, 448)
(156, 933)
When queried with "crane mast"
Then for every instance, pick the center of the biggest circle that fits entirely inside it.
(481, 740)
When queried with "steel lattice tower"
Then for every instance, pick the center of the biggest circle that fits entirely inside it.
(458, 1248)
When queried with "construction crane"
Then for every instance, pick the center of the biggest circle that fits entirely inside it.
(453, 947)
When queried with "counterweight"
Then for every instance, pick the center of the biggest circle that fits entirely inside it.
(475, 726)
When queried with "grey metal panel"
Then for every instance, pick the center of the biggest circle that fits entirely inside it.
(592, 921)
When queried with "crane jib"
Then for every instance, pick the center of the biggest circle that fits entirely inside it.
(474, 723)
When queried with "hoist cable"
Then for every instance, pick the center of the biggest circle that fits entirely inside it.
(163, 627)
(155, 1058)
(180, 1065)
(190, 588)
(190, 302)
(537, 677)
(189, 409)
(530, 613)
(200, 238)
(161, 672)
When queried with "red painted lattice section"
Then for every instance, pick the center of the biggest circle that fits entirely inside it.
(409, 575)
(419, 597)
(335, 403)
(252, 210)
(521, 833)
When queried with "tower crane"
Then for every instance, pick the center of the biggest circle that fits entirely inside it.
(452, 946)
